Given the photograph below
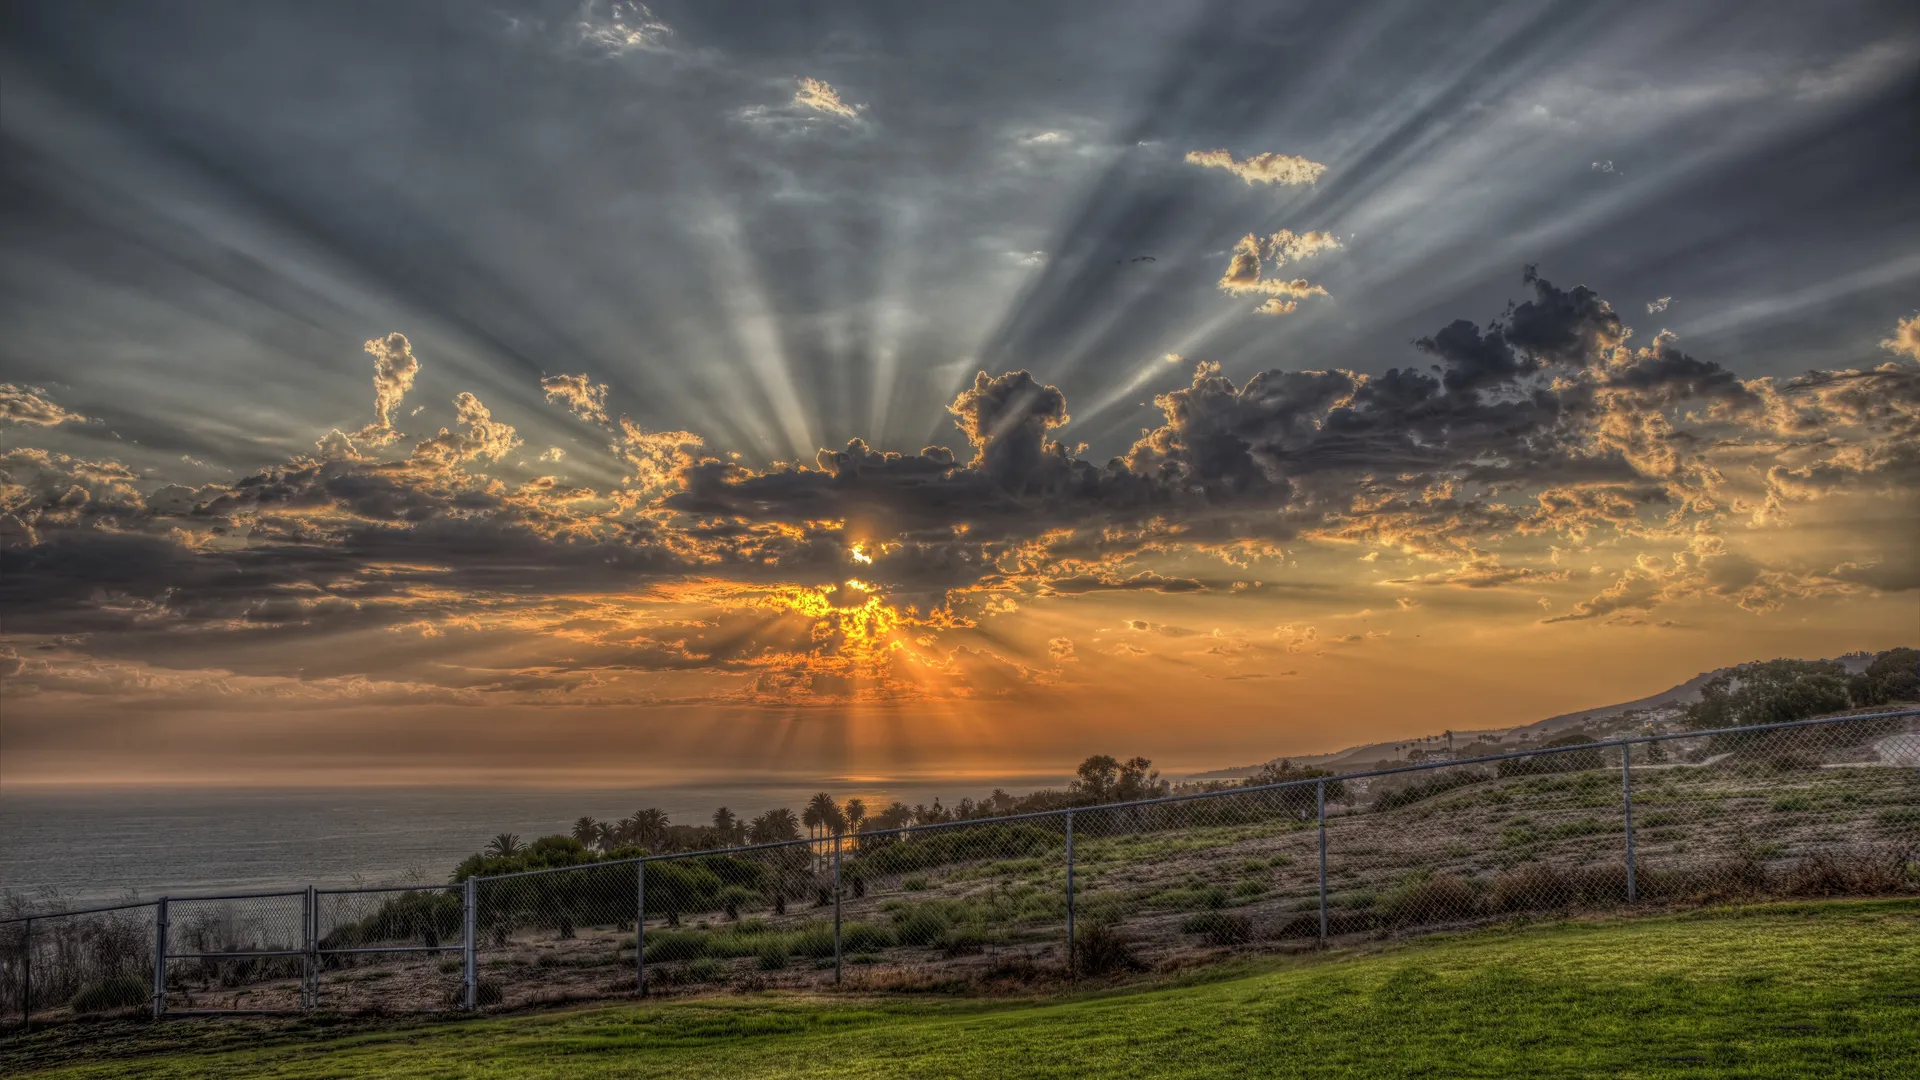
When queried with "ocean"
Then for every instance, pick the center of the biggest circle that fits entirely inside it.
(75, 846)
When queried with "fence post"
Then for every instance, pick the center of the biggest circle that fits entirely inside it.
(26, 980)
(1626, 791)
(160, 958)
(469, 970)
(836, 909)
(640, 927)
(1072, 945)
(310, 996)
(1320, 811)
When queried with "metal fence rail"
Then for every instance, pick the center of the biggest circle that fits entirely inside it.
(1823, 807)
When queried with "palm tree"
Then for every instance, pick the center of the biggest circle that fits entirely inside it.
(504, 846)
(607, 835)
(586, 830)
(725, 823)
(774, 826)
(649, 826)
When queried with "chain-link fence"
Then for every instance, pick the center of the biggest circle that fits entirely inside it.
(1826, 807)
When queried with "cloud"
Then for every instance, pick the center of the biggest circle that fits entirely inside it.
(1655, 307)
(1260, 168)
(484, 437)
(394, 368)
(818, 96)
(1543, 452)
(1245, 272)
(1905, 339)
(620, 27)
(552, 454)
(1061, 650)
(29, 405)
(586, 398)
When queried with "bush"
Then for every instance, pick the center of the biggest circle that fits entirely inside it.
(772, 955)
(118, 992)
(1219, 927)
(964, 940)
(1101, 949)
(858, 937)
(1864, 871)
(1562, 761)
(1426, 789)
(734, 897)
(814, 940)
(666, 946)
(919, 926)
(1435, 898)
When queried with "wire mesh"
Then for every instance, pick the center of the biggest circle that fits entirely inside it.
(1825, 808)
(556, 935)
(237, 953)
(395, 950)
(979, 900)
(1160, 880)
(1822, 810)
(746, 917)
(62, 966)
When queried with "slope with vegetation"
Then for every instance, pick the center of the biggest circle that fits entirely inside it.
(1826, 989)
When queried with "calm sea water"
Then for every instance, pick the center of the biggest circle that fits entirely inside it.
(102, 843)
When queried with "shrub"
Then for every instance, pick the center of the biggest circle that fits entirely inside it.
(1789, 803)
(1856, 872)
(919, 926)
(1427, 789)
(814, 940)
(1563, 761)
(772, 955)
(666, 946)
(734, 897)
(1424, 898)
(1249, 888)
(964, 940)
(118, 992)
(1900, 817)
(916, 883)
(1219, 927)
(1101, 949)
(863, 937)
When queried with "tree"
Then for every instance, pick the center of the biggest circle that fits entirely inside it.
(774, 826)
(1098, 775)
(1301, 799)
(897, 815)
(1770, 692)
(855, 812)
(648, 827)
(820, 815)
(727, 824)
(1894, 675)
(504, 846)
(586, 830)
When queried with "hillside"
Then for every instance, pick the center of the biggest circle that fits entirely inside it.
(1369, 754)
(1814, 989)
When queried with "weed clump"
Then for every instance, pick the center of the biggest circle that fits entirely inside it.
(1219, 927)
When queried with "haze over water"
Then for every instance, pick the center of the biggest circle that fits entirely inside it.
(95, 844)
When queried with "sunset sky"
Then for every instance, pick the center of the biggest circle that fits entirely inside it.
(562, 392)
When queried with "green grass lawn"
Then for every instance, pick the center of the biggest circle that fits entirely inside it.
(1827, 989)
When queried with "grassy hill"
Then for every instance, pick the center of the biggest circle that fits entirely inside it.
(1826, 989)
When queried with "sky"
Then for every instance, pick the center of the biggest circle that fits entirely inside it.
(583, 392)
